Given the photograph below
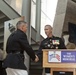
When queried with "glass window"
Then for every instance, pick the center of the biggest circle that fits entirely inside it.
(33, 12)
(48, 9)
(34, 1)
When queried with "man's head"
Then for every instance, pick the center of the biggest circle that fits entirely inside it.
(48, 30)
(22, 25)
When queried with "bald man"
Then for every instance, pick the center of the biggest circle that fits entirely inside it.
(51, 42)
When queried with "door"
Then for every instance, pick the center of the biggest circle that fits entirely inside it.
(72, 32)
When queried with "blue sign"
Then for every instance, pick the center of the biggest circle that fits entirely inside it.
(68, 56)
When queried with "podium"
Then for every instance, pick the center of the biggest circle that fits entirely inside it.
(59, 60)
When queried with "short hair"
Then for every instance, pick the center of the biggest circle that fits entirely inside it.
(19, 23)
(49, 26)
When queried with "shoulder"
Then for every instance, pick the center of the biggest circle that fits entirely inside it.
(17, 35)
(43, 41)
(58, 38)
(20, 33)
(55, 37)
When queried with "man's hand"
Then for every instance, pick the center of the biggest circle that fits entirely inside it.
(36, 59)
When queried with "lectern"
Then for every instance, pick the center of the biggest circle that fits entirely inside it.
(60, 60)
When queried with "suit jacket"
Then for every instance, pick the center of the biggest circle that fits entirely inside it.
(17, 43)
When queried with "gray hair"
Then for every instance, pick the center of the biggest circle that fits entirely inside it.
(48, 26)
(19, 23)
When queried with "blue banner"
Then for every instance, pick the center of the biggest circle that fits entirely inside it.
(68, 56)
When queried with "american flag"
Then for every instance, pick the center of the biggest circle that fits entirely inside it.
(57, 57)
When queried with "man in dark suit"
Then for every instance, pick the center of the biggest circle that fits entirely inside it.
(17, 43)
(51, 42)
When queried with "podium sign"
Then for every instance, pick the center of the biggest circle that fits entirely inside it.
(60, 60)
(62, 56)
(68, 56)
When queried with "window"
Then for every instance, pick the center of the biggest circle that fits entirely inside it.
(33, 12)
(48, 9)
